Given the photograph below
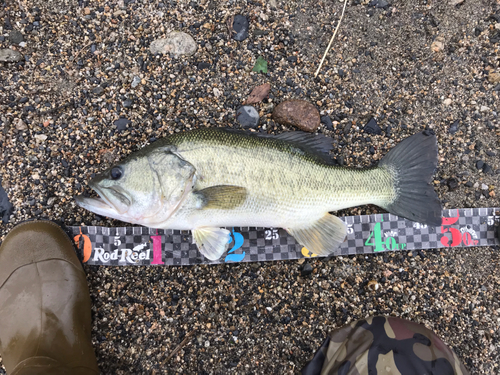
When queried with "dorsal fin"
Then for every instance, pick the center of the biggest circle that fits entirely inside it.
(318, 145)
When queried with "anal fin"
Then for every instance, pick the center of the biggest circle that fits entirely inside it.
(322, 237)
(212, 242)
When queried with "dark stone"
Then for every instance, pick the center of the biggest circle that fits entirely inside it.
(452, 184)
(203, 65)
(341, 73)
(306, 269)
(372, 127)
(6, 208)
(240, 26)
(121, 123)
(477, 31)
(454, 127)
(490, 153)
(327, 122)
(468, 184)
(487, 168)
(128, 103)
(16, 37)
(247, 116)
(479, 164)
(97, 90)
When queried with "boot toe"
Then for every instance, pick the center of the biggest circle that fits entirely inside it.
(32, 242)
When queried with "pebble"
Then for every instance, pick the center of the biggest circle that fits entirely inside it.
(240, 26)
(6, 207)
(98, 90)
(382, 4)
(16, 37)
(479, 164)
(128, 103)
(247, 116)
(454, 127)
(452, 184)
(121, 123)
(21, 125)
(40, 138)
(135, 82)
(372, 127)
(177, 44)
(9, 55)
(203, 65)
(327, 121)
(438, 44)
(298, 113)
(306, 269)
(487, 168)
(447, 101)
(494, 77)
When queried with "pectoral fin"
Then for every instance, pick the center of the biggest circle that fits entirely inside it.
(224, 197)
(322, 237)
(212, 242)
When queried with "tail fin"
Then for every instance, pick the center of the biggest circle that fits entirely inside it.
(412, 163)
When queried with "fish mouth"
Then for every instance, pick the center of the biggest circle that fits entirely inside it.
(110, 203)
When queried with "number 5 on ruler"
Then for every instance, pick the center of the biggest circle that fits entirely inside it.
(456, 236)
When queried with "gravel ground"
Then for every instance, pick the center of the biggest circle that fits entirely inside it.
(409, 64)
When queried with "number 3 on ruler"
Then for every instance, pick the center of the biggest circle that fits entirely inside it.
(456, 235)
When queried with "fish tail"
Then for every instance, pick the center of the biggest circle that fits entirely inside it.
(412, 164)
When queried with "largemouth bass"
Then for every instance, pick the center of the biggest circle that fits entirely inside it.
(207, 179)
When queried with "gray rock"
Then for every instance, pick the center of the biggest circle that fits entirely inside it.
(97, 90)
(247, 116)
(240, 26)
(16, 37)
(21, 125)
(9, 55)
(121, 124)
(128, 103)
(135, 82)
(176, 44)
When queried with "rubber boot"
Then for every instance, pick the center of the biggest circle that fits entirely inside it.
(45, 321)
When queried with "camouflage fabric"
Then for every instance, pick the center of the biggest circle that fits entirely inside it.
(384, 345)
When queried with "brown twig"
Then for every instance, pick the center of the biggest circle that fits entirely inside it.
(331, 40)
(179, 347)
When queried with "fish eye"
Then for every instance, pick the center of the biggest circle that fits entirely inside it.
(116, 173)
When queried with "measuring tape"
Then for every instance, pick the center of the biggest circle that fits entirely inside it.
(366, 234)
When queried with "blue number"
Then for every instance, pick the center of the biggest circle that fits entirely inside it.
(238, 242)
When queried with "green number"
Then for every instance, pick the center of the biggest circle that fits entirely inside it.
(377, 236)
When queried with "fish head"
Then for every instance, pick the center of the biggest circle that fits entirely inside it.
(145, 189)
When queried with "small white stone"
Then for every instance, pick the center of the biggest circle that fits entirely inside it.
(447, 101)
(176, 44)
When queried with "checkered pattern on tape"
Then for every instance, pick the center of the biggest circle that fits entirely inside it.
(259, 246)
